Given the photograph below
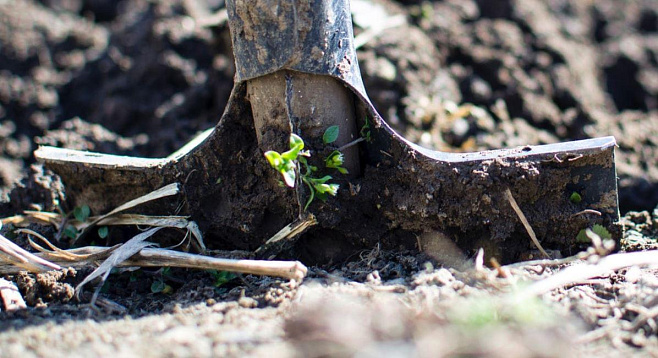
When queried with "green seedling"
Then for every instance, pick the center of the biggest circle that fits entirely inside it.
(81, 213)
(335, 160)
(365, 131)
(481, 313)
(575, 198)
(286, 162)
(103, 231)
(159, 285)
(599, 230)
(289, 165)
(221, 277)
(71, 232)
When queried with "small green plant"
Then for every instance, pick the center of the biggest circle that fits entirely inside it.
(71, 232)
(599, 230)
(289, 164)
(221, 277)
(335, 160)
(103, 231)
(365, 131)
(159, 285)
(81, 213)
(286, 163)
(575, 198)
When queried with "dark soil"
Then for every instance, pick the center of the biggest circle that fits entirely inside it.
(138, 77)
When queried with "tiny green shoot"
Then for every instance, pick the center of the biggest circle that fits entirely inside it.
(103, 231)
(365, 131)
(289, 165)
(221, 277)
(599, 230)
(285, 162)
(159, 286)
(71, 232)
(575, 198)
(335, 160)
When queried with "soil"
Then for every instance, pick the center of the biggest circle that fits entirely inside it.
(138, 77)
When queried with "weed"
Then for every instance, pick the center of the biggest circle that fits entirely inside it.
(71, 232)
(103, 231)
(575, 198)
(365, 131)
(81, 213)
(221, 277)
(599, 230)
(289, 164)
(159, 285)
(335, 160)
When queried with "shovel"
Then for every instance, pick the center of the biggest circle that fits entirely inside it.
(297, 73)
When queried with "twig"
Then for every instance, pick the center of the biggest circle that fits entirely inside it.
(120, 255)
(289, 232)
(156, 257)
(15, 255)
(168, 190)
(354, 142)
(11, 297)
(526, 224)
(578, 273)
(587, 211)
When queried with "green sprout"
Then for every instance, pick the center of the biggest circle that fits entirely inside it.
(81, 213)
(286, 162)
(335, 160)
(597, 229)
(221, 277)
(159, 285)
(71, 232)
(365, 131)
(575, 198)
(289, 164)
(103, 231)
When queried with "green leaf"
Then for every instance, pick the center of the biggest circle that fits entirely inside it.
(291, 155)
(81, 213)
(274, 158)
(167, 290)
(102, 232)
(575, 198)
(330, 135)
(601, 231)
(597, 229)
(296, 141)
(322, 180)
(71, 232)
(365, 131)
(289, 177)
(221, 277)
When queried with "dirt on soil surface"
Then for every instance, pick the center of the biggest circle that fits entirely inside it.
(142, 77)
